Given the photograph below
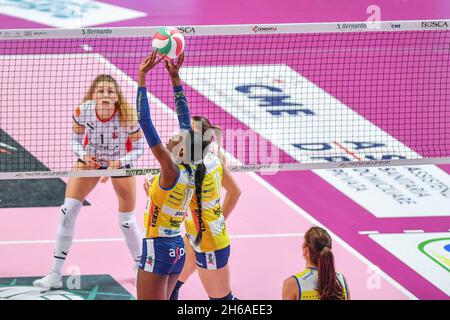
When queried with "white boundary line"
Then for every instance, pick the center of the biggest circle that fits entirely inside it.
(368, 232)
(243, 29)
(274, 235)
(86, 55)
(96, 240)
(333, 236)
(413, 231)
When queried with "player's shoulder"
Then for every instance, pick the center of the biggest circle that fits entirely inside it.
(84, 107)
(82, 111)
(302, 273)
(290, 282)
(211, 160)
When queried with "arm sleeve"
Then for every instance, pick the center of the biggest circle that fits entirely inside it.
(77, 145)
(137, 150)
(145, 121)
(79, 114)
(184, 116)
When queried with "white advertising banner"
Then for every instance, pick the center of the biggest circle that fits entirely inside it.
(67, 14)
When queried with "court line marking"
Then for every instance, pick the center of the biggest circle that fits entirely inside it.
(95, 240)
(368, 232)
(274, 235)
(413, 231)
(344, 244)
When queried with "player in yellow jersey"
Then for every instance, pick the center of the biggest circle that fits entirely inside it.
(212, 253)
(319, 281)
(163, 252)
(207, 215)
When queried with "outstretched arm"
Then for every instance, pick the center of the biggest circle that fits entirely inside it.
(184, 116)
(169, 171)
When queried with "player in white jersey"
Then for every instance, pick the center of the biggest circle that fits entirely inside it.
(105, 135)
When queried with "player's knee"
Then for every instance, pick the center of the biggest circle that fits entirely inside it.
(68, 215)
(126, 219)
(126, 201)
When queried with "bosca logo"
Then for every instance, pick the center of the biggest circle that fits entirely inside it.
(186, 29)
(434, 24)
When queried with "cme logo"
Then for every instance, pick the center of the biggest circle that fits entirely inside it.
(434, 24)
(186, 30)
(396, 26)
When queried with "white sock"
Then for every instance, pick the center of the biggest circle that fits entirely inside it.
(133, 236)
(65, 231)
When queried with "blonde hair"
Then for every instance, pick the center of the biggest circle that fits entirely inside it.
(127, 114)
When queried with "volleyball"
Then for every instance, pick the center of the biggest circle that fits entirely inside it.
(169, 41)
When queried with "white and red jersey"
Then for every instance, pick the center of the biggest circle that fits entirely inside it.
(104, 139)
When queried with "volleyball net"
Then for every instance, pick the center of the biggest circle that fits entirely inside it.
(286, 97)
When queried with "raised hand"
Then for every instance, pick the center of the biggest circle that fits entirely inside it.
(174, 67)
(150, 62)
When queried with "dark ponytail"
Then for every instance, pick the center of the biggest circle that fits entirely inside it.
(329, 286)
(318, 242)
(196, 158)
(199, 177)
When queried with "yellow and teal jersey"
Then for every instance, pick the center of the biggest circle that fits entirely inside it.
(307, 282)
(215, 235)
(166, 208)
